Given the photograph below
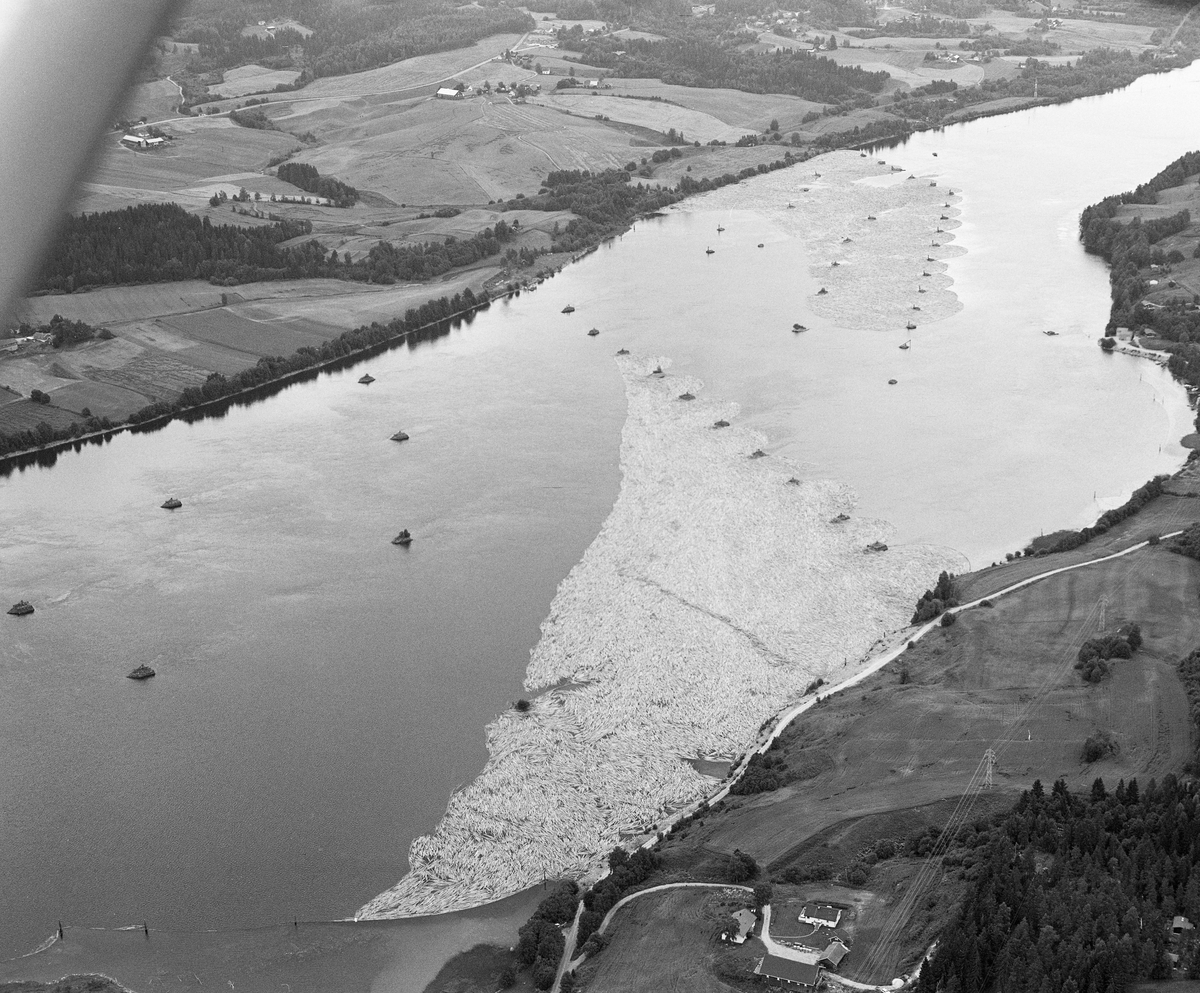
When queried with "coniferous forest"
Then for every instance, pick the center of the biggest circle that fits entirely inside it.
(1074, 893)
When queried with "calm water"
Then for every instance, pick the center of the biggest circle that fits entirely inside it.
(321, 692)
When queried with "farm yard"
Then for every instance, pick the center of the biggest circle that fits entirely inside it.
(668, 941)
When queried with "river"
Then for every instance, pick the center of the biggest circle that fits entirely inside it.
(321, 692)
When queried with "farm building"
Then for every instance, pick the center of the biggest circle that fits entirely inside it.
(141, 141)
(820, 915)
(449, 93)
(832, 956)
(744, 923)
(796, 973)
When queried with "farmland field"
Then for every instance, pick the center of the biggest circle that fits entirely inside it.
(656, 115)
(743, 111)
(249, 79)
(424, 70)
(154, 101)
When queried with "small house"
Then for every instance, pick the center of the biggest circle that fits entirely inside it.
(449, 93)
(744, 921)
(788, 971)
(820, 915)
(1180, 926)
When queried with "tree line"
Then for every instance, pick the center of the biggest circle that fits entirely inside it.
(307, 178)
(1073, 892)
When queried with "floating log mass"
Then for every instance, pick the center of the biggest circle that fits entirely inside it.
(710, 599)
(622, 351)
(687, 396)
(758, 453)
(171, 504)
(593, 332)
(21, 608)
(366, 379)
(400, 436)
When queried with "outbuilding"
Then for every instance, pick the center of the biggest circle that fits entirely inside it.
(449, 93)
(787, 971)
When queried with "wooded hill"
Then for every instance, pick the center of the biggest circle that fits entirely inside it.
(345, 38)
(1073, 894)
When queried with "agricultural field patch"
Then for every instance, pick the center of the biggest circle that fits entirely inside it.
(102, 399)
(154, 101)
(203, 153)
(747, 112)
(249, 79)
(424, 70)
(668, 941)
(656, 115)
(155, 375)
(907, 67)
(250, 329)
(1079, 35)
(25, 415)
(442, 152)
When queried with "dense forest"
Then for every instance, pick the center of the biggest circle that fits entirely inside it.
(159, 242)
(1074, 893)
(307, 178)
(704, 59)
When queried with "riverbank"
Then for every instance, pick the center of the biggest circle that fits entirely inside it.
(720, 587)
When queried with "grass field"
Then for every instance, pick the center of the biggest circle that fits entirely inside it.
(469, 152)
(656, 115)
(249, 79)
(153, 101)
(744, 112)
(907, 67)
(424, 70)
(667, 941)
(25, 415)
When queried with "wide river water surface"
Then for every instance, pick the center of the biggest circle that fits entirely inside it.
(321, 692)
